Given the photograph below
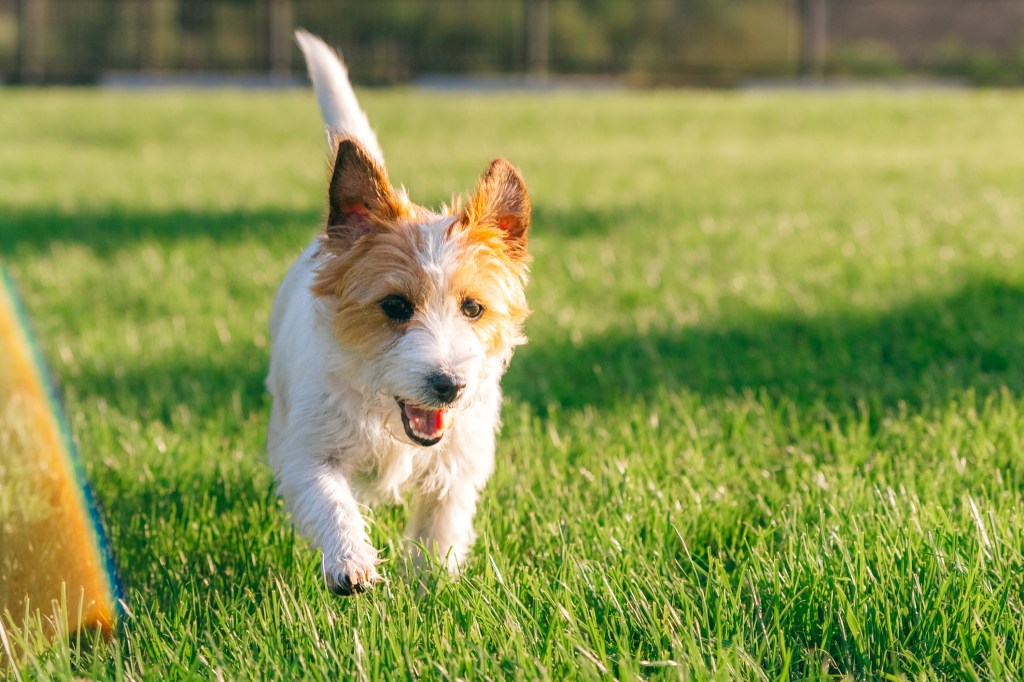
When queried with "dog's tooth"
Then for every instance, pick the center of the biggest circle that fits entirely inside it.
(426, 436)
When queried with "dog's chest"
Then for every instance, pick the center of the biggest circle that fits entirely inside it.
(390, 471)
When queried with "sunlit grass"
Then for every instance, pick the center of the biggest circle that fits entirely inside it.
(767, 427)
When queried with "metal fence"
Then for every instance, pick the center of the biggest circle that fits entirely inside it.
(718, 42)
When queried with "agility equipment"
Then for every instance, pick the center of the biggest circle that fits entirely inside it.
(55, 565)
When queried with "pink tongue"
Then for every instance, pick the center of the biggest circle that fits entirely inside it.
(426, 422)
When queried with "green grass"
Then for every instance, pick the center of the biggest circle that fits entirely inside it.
(768, 425)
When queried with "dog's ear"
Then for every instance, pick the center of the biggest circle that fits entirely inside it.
(360, 198)
(501, 200)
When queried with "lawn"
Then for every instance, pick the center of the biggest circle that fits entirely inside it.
(768, 425)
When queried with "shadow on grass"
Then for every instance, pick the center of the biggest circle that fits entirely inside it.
(917, 354)
(27, 232)
(228, 388)
(914, 355)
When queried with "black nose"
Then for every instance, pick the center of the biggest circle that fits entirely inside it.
(445, 386)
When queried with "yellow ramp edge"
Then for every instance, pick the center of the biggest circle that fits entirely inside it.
(55, 571)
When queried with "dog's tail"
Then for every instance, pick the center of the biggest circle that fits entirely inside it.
(338, 103)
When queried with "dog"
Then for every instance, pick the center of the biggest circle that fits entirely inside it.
(389, 336)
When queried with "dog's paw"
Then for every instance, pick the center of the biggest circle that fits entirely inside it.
(351, 576)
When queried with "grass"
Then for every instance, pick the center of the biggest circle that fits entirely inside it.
(768, 425)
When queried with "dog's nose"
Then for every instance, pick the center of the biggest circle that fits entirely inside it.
(445, 387)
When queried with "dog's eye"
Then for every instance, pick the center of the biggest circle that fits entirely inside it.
(472, 309)
(397, 307)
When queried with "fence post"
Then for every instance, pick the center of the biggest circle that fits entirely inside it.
(149, 35)
(813, 37)
(280, 17)
(538, 31)
(32, 41)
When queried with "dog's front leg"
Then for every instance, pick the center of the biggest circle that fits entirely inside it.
(442, 524)
(325, 509)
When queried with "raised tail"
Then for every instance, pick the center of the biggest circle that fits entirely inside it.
(338, 103)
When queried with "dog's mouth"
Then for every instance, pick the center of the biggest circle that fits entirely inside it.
(424, 425)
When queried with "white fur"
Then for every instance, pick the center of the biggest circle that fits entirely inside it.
(336, 440)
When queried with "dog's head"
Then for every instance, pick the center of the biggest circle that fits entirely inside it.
(427, 307)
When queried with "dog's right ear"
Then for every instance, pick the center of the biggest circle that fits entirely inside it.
(360, 199)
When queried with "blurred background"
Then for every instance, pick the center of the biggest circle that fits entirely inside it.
(720, 43)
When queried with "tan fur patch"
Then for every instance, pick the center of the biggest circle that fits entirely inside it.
(490, 275)
(378, 265)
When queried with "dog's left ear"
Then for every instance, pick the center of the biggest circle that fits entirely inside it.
(501, 200)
